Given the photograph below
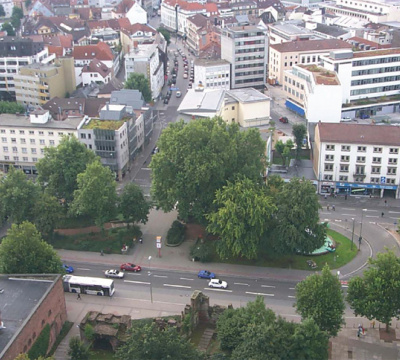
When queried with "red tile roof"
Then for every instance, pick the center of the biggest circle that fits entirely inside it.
(123, 6)
(134, 28)
(58, 50)
(359, 134)
(193, 6)
(212, 8)
(84, 13)
(368, 42)
(100, 51)
(96, 66)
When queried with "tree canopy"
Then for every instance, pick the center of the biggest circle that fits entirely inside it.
(284, 149)
(166, 34)
(148, 342)
(132, 204)
(96, 194)
(60, 166)
(78, 350)
(10, 107)
(299, 132)
(16, 16)
(242, 217)
(7, 27)
(48, 212)
(23, 251)
(297, 227)
(197, 158)
(376, 295)
(320, 297)
(139, 82)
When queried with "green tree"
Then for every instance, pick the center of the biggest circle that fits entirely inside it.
(132, 204)
(299, 132)
(18, 196)
(2, 12)
(320, 297)
(7, 27)
(274, 184)
(23, 251)
(26, 357)
(60, 166)
(377, 294)
(243, 216)
(197, 158)
(78, 350)
(28, 3)
(96, 195)
(149, 343)
(297, 225)
(284, 149)
(48, 212)
(16, 16)
(166, 34)
(10, 107)
(139, 82)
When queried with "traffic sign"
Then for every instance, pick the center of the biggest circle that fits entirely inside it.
(158, 239)
(158, 245)
(383, 179)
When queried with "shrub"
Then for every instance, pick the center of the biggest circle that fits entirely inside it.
(41, 344)
(89, 332)
(176, 233)
(201, 251)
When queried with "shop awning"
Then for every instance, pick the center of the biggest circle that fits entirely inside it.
(296, 108)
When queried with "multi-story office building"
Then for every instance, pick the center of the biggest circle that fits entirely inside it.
(370, 80)
(37, 83)
(14, 53)
(212, 74)
(357, 159)
(145, 59)
(246, 49)
(24, 138)
(7, 6)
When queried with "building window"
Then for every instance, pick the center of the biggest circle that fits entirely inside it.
(2, 131)
(328, 167)
(374, 180)
(233, 108)
(344, 168)
(13, 140)
(376, 160)
(41, 132)
(359, 179)
(328, 177)
(24, 150)
(12, 131)
(5, 148)
(343, 178)
(6, 158)
(390, 181)
(31, 132)
(376, 170)
(361, 159)
(15, 149)
(329, 157)
(60, 134)
(391, 171)
(32, 141)
(25, 158)
(377, 149)
(51, 142)
(393, 150)
(392, 161)
(51, 133)
(83, 136)
(42, 142)
(22, 132)
(345, 158)
(330, 147)
(360, 170)
(16, 158)
(33, 150)
(361, 148)
(34, 159)
(3, 139)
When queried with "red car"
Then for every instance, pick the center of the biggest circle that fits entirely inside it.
(130, 267)
(284, 119)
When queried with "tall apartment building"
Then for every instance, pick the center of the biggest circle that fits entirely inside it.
(38, 83)
(370, 80)
(145, 59)
(246, 49)
(357, 159)
(24, 138)
(14, 53)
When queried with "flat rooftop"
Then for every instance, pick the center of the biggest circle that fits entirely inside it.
(19, 298)
(381, 52)
(321, 75)
(103, 124)
(14, 121)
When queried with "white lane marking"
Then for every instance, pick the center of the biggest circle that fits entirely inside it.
(160, 276)
(371, 216)
(372, 210)
(372, 222)
(83, 269)
(178, 286)
(262, 294)
(268, 286)
(132, 273)
(212, 289)
(241, 284)
(186, 279)
(348, 209)
(394, 212)
(394, 218)
(145, 168)
(349, 214)
(325, 213)
(292, 288)
(137, 282)
(292, 297)
(337, 220)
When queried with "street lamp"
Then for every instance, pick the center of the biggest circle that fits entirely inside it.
(352, 235)
(151, 286)
(360, 238)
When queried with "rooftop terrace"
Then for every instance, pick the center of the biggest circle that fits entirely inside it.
(103, 124)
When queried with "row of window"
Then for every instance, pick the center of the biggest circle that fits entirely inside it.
(250, 50)
(17, 158)
(375, 71)
(346, 158)
(376, 61)
(374, 90)
(244, 73)
(23, 141)
(360, 170)
(294, 92)
(32, 132)
(23, 150)
(210, 84)
(246, 58)
(376, 149)
(246, 81)
(360, 179)
(375, 80)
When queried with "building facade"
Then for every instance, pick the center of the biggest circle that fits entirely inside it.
(355, 159)
(246, 49)
(212, 74)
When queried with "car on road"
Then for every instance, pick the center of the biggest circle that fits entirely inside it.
(185, 75)
(190, 85)
(114, 273)
(166, 100)
(284, 119)
(217, 283)
(178, 94)
(346, 119)
(68, 269)
(130, 267)
(205, 274)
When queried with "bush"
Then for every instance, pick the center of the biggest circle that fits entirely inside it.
(176, 233)
(41, 344)
(89, 332)
(201, 251)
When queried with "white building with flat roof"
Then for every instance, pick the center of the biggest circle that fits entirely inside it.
(212, 74)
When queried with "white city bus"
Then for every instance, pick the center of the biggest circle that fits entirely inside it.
(88, 285)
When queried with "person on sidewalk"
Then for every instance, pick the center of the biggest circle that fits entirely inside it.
(141, 240)
(382, 215)
(79, 297)
(333, 208)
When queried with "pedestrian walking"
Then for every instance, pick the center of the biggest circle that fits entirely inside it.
(345, 197)
(333, 208)
(325, 196)
(327, 207)
(385, 202)
(382, 214)
(79, 297)
(101, 253)
(141, 240)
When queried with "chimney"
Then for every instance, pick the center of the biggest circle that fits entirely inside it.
(135, 46)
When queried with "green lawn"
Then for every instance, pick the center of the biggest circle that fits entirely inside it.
(101, 355)
(340, 257)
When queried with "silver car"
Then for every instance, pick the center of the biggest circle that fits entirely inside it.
(114, 274)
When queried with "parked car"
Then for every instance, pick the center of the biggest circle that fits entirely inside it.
(364, 116)
(130, 267)
(68, 269)
(346, 119)
(190, 85)
(166, 100)
(178, 94)
(284, 119)
(216, 283)
(113, 273)
(185, 75)
(205, 274)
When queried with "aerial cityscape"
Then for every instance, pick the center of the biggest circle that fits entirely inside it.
(199, 179)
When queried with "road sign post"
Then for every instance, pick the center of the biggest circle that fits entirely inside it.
(158, 245)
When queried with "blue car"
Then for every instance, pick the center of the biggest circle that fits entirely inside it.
(204, 274)
(68, 269)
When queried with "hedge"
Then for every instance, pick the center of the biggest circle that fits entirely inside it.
(176, 234)
(41, 344)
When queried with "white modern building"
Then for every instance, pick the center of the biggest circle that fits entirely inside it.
(313, 92)
(212, 74)
(355, 159)
(145, 59)
(24, 138)
(246, 49)
(7, 6)
(136, 14)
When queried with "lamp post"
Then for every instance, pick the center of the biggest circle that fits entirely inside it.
(151, 286)
(361, 225)
(352, 235)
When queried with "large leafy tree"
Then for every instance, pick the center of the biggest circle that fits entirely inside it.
(166, 34)
(78, 350)
(132, 204)
(297, 226)
(150, 343)
(8, 28)
(243, 216)
(377, 294)
(299, 132)
(96, 195)
(18, 196)
(10, 107)
(16, 16)
(320, 297)
(196, 159)
(48, 212)
(60, 166)
(23, 251)
(139, 82)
